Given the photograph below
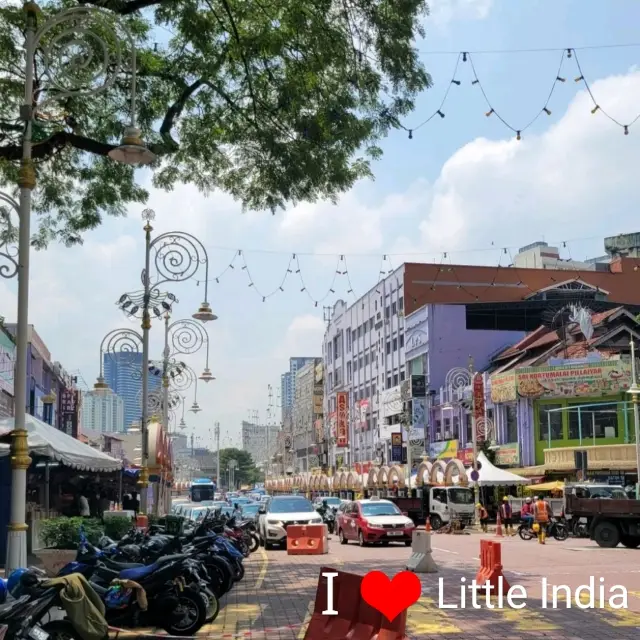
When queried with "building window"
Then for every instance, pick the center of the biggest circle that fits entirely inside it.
(329, 352)
(349, 371)
(395, 344)
(354, 336)
(373, 390)
(387, 312)
(395, 379)
(360, 363)
(367, 391)
(401, 340)
(511, 418)
(401, 303)
(456, 427)
(348, 341)
(388, 349)
(602, 420)
(388, 382)
(447, 428)
(546, 417)
(330, 380)
(468, 428)
(360, 331)
(402, 376)
(394, 308)
(438, 430)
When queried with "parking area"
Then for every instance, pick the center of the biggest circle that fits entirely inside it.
(277, 594)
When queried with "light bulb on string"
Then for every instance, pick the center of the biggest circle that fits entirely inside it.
(456, 82)
(546, 110)
(561, 79)
(595, 109)
(626, 129)
(518, 136)
(489, 112)
(440, 113)
(579, 79)
(569, 53)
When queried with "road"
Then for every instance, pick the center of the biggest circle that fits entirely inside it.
(274, 600)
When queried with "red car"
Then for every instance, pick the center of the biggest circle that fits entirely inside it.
(374, 521)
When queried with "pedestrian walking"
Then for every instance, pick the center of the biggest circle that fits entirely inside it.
(506, 515)
(541, 517)
(484, 517)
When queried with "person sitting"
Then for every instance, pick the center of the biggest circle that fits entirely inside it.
(526, 513)
(323, 508)
(237, 512)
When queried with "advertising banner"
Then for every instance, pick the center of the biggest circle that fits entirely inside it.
(604, 378)
(443, 450)
(465, 456)
(317, 403)
(478, 407)
(319, 430)
(418, 386)
(342, 402)
(418, 415)
(508, 455)
(362, 407)
(396, 447)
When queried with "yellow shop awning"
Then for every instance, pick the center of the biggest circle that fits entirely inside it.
(546, 486)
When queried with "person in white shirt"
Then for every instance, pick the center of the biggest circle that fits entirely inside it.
(83, 505)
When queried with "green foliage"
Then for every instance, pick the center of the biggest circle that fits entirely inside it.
(485, 447)
(245, 471)
(64, 533)
(272, 101)
(116, 526)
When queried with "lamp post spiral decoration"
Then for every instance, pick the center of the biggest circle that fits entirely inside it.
(65, 42)
(118, 341)
(457, 378)
(176, 257)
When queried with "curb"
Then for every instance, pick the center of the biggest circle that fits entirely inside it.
(116, 633)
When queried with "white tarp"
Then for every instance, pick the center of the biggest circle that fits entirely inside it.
(45, 440)
(492, 476)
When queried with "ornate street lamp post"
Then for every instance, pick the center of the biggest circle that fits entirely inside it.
(57, 39)
(177, 256)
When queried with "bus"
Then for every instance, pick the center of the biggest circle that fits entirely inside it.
(202, 489)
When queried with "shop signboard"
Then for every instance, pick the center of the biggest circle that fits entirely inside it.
(317, 402)
(362, 407)
(588, 380)
(342, 402)
(396, 447)
(508, 455)
(465, 456)
(391, 402)
(445, 450)
(478, 407)
(70, 411)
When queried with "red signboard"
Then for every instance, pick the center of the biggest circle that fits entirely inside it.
(478, 407)
(342, 427)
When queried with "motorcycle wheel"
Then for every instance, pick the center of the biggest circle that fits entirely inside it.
(213, 606)
(221, 576)
(254, 543)
(560, 533)
(524, 532)
(61, 630)
(194, 612)
(239, 572)
(331, 527)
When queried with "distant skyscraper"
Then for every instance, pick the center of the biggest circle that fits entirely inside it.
(122, 374)
(288, 381)
(102, 411)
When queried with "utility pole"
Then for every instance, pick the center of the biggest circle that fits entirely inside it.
(216, 433)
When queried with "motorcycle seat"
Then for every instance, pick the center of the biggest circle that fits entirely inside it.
(114, 564)
(138, 572)
(173, 558)
(99, 589)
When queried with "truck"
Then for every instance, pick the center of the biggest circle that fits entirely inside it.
(441, 504)
(610, 521)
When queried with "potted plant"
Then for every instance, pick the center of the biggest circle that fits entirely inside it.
(61, 537)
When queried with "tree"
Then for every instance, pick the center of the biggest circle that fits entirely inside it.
(272, 101)
(245, 471)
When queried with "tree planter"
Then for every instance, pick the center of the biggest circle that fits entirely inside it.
(52, 560)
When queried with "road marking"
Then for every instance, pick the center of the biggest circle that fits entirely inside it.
(612, 617)
(425, 618)
(307, 620)
(234, 618)
(263, 569)
(524, 619)
(455, 553)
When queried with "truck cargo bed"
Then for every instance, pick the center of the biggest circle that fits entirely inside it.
(586, 507)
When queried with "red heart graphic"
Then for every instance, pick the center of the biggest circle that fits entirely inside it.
(390, 597)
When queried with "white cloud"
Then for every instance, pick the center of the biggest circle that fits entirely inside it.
(444, 11)
(302, 338)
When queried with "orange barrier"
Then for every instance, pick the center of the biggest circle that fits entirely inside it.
(356, 620)
(499, 527)
(427, 526)
(491, 566)
(307, 539)
(142, 522)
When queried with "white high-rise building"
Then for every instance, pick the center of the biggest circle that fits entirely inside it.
(364, 355)
(103, 411)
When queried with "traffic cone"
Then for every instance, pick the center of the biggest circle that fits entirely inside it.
(499, 527)
(428, 524)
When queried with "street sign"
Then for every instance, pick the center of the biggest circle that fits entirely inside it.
(474, 476)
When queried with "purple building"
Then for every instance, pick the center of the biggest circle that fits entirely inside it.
(439, 345)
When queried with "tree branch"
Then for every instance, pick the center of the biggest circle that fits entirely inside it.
(174, 112)
(123, 7)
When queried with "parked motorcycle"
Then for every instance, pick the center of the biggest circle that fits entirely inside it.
(555, 529)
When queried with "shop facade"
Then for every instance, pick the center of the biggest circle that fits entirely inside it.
(565, 406)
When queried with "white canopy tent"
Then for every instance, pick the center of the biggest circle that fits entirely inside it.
(492, 476)
(47, 441)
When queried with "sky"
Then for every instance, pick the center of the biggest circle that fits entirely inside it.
(461, 191)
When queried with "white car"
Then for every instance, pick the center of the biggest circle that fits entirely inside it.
(280, 512)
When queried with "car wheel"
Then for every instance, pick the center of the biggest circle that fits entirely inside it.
(341, 537)
(361, 540)
(435, 521)
(407, 543)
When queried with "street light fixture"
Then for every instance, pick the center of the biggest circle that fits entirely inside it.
(67, 26)
(177, 256)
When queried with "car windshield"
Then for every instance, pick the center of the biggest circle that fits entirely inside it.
(250, 508)
(380, 509)
(460, 496)
(332, 502)
(290, 505)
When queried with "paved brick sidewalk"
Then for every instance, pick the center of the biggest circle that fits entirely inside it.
(274, 599)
